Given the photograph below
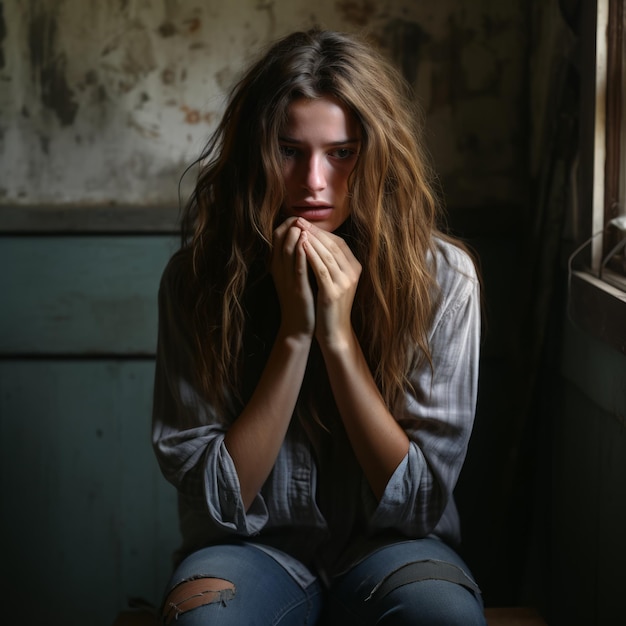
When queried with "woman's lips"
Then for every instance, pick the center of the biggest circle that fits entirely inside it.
(312, 212)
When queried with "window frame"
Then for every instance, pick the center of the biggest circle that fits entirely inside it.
(612, 45)
(597, 295)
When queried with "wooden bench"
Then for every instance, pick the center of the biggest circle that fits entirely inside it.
(496, 616)
(513, 616)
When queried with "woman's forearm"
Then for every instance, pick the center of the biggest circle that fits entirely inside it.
(255, 438)
(377, 439)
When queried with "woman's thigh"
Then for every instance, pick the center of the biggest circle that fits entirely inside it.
(421, 582)
(236, 584)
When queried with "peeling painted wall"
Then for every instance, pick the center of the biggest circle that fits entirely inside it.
(107, 102)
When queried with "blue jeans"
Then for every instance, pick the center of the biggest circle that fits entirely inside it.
(416, 582)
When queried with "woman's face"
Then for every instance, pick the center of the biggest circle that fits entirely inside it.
(319, 145)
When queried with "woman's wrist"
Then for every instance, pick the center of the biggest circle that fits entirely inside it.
(339, 345)
(295, 339)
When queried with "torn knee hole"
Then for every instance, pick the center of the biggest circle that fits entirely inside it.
(190, 594)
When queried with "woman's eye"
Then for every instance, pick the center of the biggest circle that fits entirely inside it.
(287, 151)
(343, 153)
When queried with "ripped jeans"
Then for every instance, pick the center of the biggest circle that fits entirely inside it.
(417, 582)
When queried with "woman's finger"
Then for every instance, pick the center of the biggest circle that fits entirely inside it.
(339, 250)
(320, 260)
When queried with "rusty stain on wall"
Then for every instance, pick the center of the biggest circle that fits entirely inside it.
(195, 116)
(192, 116)
(193, 25)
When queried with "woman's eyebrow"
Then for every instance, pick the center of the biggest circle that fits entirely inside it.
(340, 142)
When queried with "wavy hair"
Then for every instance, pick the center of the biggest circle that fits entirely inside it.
(236, 203)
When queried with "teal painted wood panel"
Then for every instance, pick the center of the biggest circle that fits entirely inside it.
(81, 295)
(87, 519)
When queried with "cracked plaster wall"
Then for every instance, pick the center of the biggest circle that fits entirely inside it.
(107, 102)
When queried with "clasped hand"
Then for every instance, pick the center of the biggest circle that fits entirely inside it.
(298, 246)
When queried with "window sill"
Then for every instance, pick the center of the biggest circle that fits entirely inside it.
(599, 307)
(615, 280)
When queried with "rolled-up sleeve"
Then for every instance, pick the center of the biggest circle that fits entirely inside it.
(188, 433)
(438, 412)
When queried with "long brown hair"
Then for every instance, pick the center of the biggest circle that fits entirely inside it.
(229, 220)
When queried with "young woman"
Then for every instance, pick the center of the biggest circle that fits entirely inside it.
(318, 357)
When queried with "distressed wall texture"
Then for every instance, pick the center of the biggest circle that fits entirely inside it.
(107, 102)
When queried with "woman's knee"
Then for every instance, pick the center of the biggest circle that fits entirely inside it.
(232, 584)
(422, 593)
(194, 593)
(431, 603)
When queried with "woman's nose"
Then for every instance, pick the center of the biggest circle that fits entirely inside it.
(314, 178)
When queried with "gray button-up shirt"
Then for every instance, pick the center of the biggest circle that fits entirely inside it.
(316, 513)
